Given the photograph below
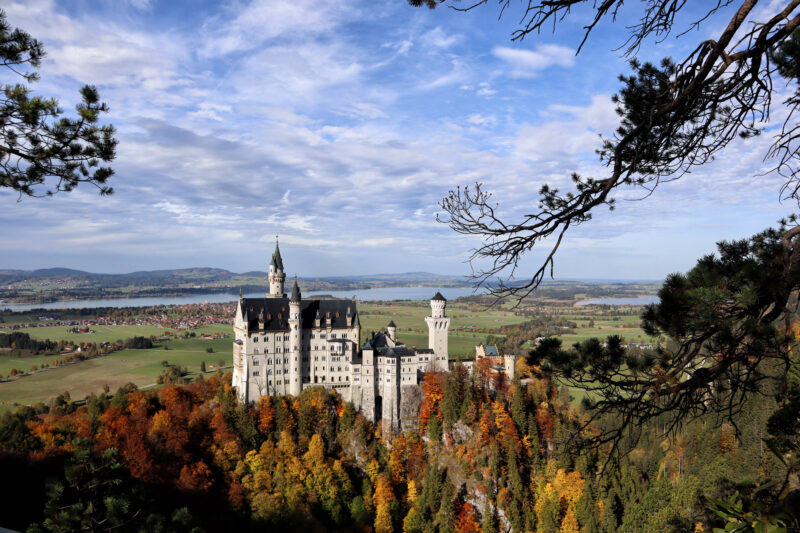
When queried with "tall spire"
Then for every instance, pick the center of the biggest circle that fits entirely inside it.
(276, 274)
(295, 292)
(277, 262)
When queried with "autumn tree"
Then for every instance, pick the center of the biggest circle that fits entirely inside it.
(383, 498)
(41, 150)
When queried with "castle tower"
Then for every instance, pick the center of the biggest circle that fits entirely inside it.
(391, 329)
(276, 275)
(295, 335)
(438, 326)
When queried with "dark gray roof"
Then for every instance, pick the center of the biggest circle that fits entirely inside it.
(378, 340)
(438, 296)
(277, 262)
(381, 347)
(391, 324)
(295, 292)
(275, 312)
(394, 351)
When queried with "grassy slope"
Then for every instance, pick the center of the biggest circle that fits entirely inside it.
(102, 333)
(141, 367)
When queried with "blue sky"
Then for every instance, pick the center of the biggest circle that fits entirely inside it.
(339, 125)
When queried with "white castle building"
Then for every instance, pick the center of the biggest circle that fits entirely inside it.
(284, 345)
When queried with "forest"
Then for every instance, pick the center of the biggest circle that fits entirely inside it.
(488, 455)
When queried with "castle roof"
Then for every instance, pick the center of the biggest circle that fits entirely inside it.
(379, 345)
(277, 262)
(438, 296)
(275, 313)
(295, 292)
(394, 351)
(391, 325)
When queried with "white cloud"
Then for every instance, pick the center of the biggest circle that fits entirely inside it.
(527, 63)
(438, 38)
(565, 138)
(295, 75)
(247, 27)
(362, 110)
(456, 75)
(478, 119)
(599, 115)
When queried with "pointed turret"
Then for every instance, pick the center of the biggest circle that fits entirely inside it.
(277, 261)
(295, 292)
(276, 274)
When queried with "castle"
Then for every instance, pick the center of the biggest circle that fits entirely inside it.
(284, 345)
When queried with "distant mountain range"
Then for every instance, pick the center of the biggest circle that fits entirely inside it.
(51, 284)
(203, 275)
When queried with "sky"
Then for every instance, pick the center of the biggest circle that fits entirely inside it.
(340, 126)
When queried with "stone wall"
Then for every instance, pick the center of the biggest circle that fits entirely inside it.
(410, 400)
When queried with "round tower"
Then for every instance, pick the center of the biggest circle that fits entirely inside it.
(438, 305)
(295, 337)
(438, 328)
(391, 329)
(276, 275)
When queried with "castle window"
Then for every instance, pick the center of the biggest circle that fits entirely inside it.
(255, 373)
(266, 349)
(255, 362)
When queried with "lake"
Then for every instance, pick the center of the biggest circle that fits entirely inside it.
(634, 300)
(382, 293)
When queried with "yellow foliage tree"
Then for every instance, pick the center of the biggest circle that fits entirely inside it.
(382, 499)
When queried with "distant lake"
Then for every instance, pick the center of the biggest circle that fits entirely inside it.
(635, 300)
(382, 293)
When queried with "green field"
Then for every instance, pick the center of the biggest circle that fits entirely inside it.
(101, 333)
(23, 363)
(141, 367)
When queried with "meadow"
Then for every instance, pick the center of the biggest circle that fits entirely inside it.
(99, 333)
(141, 367)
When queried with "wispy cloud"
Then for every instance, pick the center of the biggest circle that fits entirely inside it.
(528, 63)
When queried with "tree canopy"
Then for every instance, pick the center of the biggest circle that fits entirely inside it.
(41, 151)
